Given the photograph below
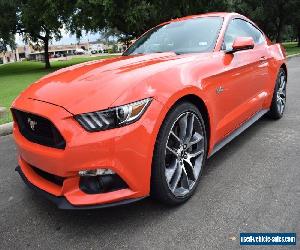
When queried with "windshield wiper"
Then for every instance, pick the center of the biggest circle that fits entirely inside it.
(171, 51)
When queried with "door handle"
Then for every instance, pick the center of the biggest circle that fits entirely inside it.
(263, 60)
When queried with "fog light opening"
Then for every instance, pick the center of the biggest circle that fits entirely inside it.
(100, 181)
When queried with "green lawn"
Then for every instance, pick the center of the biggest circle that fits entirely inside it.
(15, 77)
(291, 48)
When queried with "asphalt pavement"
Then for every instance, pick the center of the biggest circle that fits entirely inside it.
(251, 185)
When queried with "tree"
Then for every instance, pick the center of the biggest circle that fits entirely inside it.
(272, 15)
(88, 15)
(127, 18)
(136, 17)
(295, 20)
(297, 31)
(132, 18)
(9, 41)
(170, 9)
(41, 20)
(8, 22)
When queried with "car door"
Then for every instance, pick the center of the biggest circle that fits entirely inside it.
(240, 94)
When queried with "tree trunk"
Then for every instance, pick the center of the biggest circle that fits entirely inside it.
(298, 35)
(281, 20)
(279, 32)
(46, 53)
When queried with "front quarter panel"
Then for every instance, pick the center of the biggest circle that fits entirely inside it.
(187, 78)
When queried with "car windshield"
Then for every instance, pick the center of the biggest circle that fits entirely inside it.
(188, 36)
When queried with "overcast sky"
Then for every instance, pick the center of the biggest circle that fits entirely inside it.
(67, 38)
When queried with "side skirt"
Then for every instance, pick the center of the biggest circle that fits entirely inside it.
(238, 131)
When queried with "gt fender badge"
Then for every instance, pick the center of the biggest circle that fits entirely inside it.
(219, 90)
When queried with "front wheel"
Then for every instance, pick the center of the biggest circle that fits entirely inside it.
(179, 155)
(279, 97)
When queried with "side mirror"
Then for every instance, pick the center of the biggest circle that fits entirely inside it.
(242, 43)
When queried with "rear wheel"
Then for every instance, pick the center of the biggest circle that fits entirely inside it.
(179, 156)
(279, 97)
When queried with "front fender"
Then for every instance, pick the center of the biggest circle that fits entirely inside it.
(168, 103)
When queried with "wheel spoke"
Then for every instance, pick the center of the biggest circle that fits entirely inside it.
(279, 104)
(191, 169)
(280, 101)
(281, 107)
(184, 179)
(190, 128)
(176, 137)
(177, 177)
(195, 139)
(282, 82)
(170, 171)
(195, 154)
(171, 150)
(278, 98)
(183, 127)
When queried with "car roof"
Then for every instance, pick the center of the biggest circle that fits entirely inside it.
(210, 14)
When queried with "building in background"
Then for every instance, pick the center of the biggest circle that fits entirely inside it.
(56, 51)
(12, 55)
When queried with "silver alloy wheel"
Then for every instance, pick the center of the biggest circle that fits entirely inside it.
(184, 154)
(281, 93)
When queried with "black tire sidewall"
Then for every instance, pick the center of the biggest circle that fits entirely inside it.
(158, 167)
(274, 112)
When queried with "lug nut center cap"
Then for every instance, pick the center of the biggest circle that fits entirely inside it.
(181, 152)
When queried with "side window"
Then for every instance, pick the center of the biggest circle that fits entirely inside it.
(257, 36)
(241, 28)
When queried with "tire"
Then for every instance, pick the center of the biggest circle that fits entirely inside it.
(179, 155)
(278, 104)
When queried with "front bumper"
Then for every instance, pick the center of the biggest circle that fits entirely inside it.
(127, 151)
(62, 203)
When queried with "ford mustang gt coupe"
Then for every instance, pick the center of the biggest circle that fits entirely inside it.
(110, 132)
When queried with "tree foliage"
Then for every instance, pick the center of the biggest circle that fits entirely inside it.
(133, 17)
(43, 20)
(88, 15)
(272, 16)
(39, 20)
(8, 22)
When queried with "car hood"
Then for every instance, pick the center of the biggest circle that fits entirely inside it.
(95, 85)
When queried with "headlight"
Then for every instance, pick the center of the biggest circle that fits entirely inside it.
(113, 118)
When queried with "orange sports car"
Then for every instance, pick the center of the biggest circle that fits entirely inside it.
(110, 132)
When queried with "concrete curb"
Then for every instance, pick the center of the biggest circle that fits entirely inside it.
(3, 112)
(6, 129)
(291, 56)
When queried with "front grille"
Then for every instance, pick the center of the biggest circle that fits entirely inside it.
(49, 177)
(38, 129)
